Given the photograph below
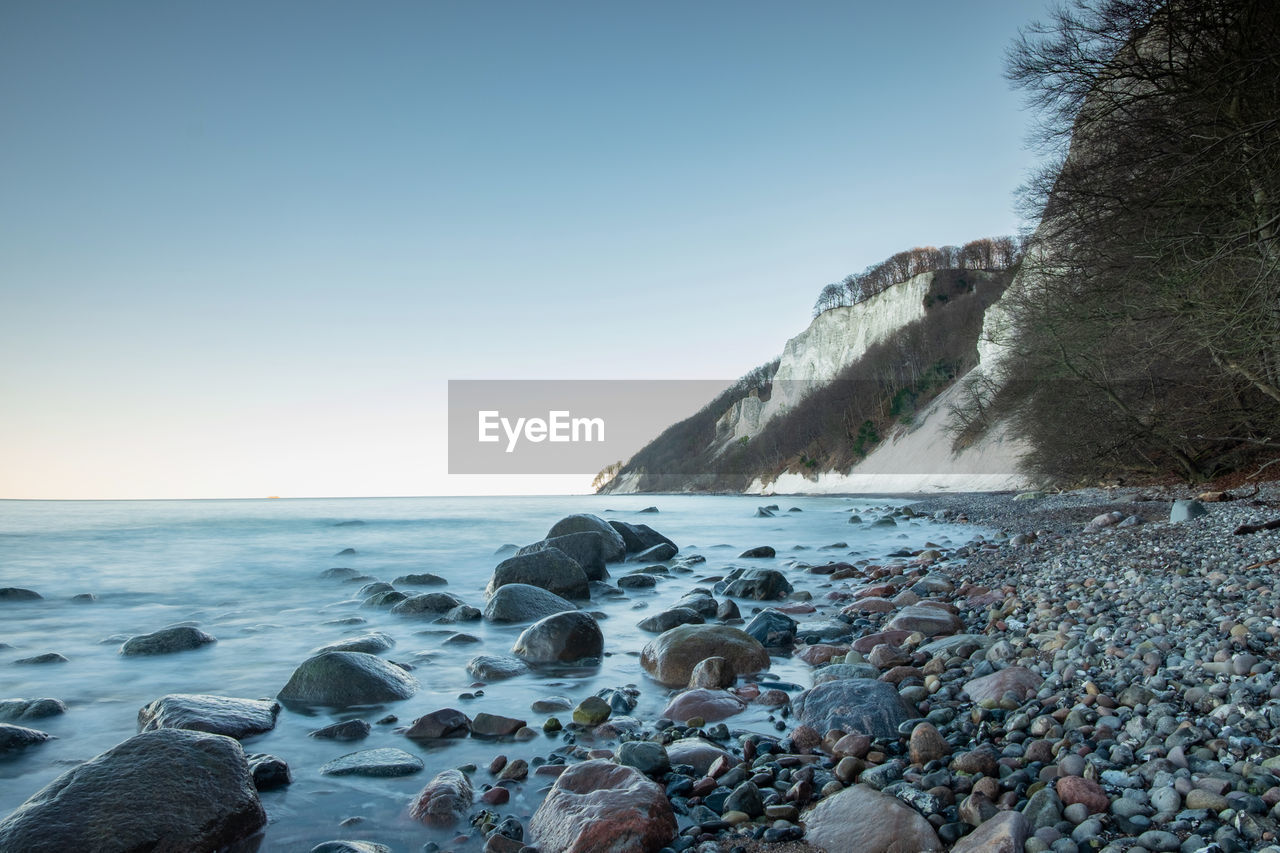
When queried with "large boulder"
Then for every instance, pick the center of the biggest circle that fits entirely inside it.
(758, 584)
(856, 705)
(166, 641)
(520, 602)
(639, 537)
(671, 656)
(547, 569)
(340, 679)
(589, 549)
(444, 801)
(218, 715)
(563, 638)
(169, 789)
(861, 819)
(601, 807)
(615, 547)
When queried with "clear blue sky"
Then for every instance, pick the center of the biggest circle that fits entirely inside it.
(243, 245)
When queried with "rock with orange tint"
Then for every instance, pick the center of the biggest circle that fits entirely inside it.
(1016, 679)
(711, 705)
(444, 801)
(601, 807)
(1077, 789)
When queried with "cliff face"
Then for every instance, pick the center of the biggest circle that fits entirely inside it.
(946, 325)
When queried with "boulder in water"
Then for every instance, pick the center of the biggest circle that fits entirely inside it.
(590, 549)
(180, 638)
(601, 806)
(169, 789)
(340, 679)
(563, 638)
(218, 715)
(444, 801)
(548, 569)
(521, 602)
(615, 547)
(671, 657)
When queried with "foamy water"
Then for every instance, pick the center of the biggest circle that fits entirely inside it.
(248, 573)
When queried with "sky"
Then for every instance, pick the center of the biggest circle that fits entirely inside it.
(245, 245)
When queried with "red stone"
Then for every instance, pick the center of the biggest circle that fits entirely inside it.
(602, 807)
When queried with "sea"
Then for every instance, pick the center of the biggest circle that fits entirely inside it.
(249, 573)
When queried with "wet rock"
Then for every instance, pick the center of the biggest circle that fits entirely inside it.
(762, 551)
(648, 757)
(30, 709)
(426, 604)
(342, 846)
(269, 771)
(839, 671)
(757, 584)
(700, 703)
(169, 789)
(614, 544)
(638, 537)
(698, 753)
(16, 593)
(519, 602)
(347, 730)
(592, 711)
(37, 660)
(637, 582)
(597, 806)
(167, 641)
(668, 619)
(384, 762)
(671, 657)
(444, 801)
(421, 579)
(714, 673)
(494, 725)
(219, 715)
(772, 629)
(861, 819)
(590, 549)
(445, 723)
(340, 679)
(548, 569)
(927, 744)
(368, 643)
(14, 738)
(657, 554)
(495, 667)
(745, 798)
(859, 705)
(563, 638)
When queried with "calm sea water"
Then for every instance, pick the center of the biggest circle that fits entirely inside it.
(248, 573)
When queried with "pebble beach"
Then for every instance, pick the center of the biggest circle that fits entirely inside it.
(1080, 673)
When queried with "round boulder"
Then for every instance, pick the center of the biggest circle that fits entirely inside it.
(561, 638)
(615, 547)
(339, 679)
(521, 602)
(218, 715)
(671, 656)
(167, 641)
(169, 789)
(548, 569)
(856, 705)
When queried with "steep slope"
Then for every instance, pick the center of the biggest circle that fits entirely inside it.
(886, 366)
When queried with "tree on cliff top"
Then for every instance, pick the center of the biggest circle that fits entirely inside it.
(1152, 285)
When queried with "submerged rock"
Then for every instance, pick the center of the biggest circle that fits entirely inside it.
(269, 771)
(758, 584)
(169, 789)
(387, 761)
(14, 738)
(166, 641)
(346, 730)
(17, 593)
(429, 603)
(219, 715)
(495, 667)
(339, 679)
(601, 807)
(368, 643)
(668, 619)
(639, 537)
(30, 709)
